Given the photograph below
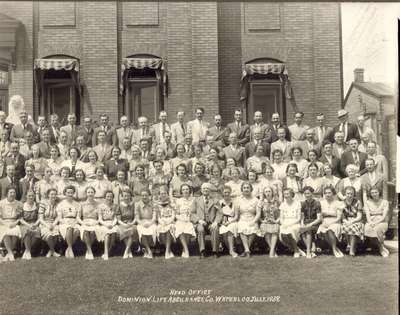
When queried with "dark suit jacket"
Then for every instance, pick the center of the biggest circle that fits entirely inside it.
(4, 184)
(17, 132)
(243, 132)
(217, 138)
(238, 155)
(19, 165)
(273, 135)
(111, 136)
(112, 168)
(250, 148)
(87, 134)
(352, 132)
(24, 187)
(209, 214)
(53, 137)
(347, 158)
(335, 165)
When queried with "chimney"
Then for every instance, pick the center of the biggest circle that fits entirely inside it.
(359, 75)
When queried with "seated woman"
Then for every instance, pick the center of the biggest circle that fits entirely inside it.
(255, 163)
(198, 157)
(42, 186)
(299, 160)
(216, 181)
(310, 219)
(101, 184)
(278, 164)
(249, 210)
(228, 228)
(138, 182)
(351, 180)
(269, 227)
(80, 184)
(328, 179)
(119, 185)
(180, 178)
(161, 155)
(146, 218)
(227, 172)
(127, 231)
(376, 210)
(165, 218)
(115, 164)
(63, 182)
(269, 180)
(184, 228)
(293, 181)
(10, 214)
(331, 212)
(73, 162)
(252, 178)
(88, 219)
(92, 165)
(352, 226)
(213, 158)
(314, 180)
(137, 160)
(55, 162)
(312, 158)
(107, 230)
(29, 224)
(48, 220)
(235, 183)
(199, 177)
(68, 211)
(290, 216)
(39, 162)
(181, 158)
(158, 178)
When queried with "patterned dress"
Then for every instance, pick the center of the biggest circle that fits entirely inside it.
(350, 212)
(108, 214)
(10, 213)
(126, 213)
(269, 213)
(89, 216)
(68, 214)
(290, 219)
(41, 188)
(228, 214)
(183, 208)
(48, 212)
(30, 214)
(247, 208)
(166, 217)
(376, 211)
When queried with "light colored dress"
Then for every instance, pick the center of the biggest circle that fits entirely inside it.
(140, 209)
(165, 215)
(89, 170)
(301, 167)
(316, 184)
(101, 186)
(376, 211)
(279, 170)
(183, 209)
(30, 215)
(127, 214)
(255, 163)
(228, 214)
(49, 213)
(80, 193)
(10, 212)
(236, 188)
(89, 216)
(247, 208)
(68, 212)
(60, 186)
(175, 186)
(55, 166)
(329, 213)
(290, 215)
(107, 214)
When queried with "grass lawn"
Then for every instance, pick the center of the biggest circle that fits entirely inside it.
(325, 285)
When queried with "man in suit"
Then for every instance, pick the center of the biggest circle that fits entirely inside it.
(298, 129)
(217, 135)
(28, 182)
(234, 150)
(41, 125)
(339, 146)
(103, 148)
(179, 129)
(242, 130)
(258, 123)
(328, 158)
(145, 147)
(3, 124)
(206, 216)
(17, 159)
(54, 128)
(282, 144)
(167, 145)
(144, 131)
(8, 181)
(353, 156)
(83, 149)
(87, 131)
(126, 152)
(44, 145)
(258, 139)
(349, 130)
(322, 132)
(111, 137)
(124, 131)
(70, 129)
(189, 147)
(309, 143)
(160, 128)
(18, 131)
(373, 179)
(275, 125)
(198, 128)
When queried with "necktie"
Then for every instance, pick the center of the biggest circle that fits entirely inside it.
(183, 128)
(73, 167)
(356, 160)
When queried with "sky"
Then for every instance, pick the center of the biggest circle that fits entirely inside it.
(369, 34)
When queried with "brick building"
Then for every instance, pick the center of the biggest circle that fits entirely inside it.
(139, 57)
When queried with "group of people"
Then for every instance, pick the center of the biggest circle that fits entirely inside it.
(176, 183)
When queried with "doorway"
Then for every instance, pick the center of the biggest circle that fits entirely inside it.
(4, 91)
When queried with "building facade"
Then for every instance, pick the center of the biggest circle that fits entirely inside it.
(137, 58)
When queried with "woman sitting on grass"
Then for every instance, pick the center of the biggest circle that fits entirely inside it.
(146, 218)
(29, 224)
(108, 220)
(127, 231)
(377, 210)
(290, 216)
(331, 213)
(310, 219)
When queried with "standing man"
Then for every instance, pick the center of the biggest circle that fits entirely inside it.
(217, 135)
(110, 135)
(18, 130)
(160, 128)
(168, 146)
(87, 131)
(8, 180)
(41, 125)
(124, 132)
(328, 157)
(54, 128)
(179, 129)
(275, 125)
(103, 148)
(258, 123)
(349, 130)
(70, 129)
(284, 145)
(258, 139)
(234, 150)
(309, 143)
(298, 129)
(17, 159)
(143, 132)
(45, 144)
(28, 182)
(322, 132)
(198, 127)
(242, 130)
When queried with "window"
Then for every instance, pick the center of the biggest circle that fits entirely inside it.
(4, 90)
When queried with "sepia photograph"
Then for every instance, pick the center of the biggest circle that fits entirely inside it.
(199, 157)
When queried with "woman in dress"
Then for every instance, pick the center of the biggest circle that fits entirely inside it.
(80, 184)
(160, 155)
(68, 211)
(216, 181)
(73, 162)
(42, 186)
(88, 220)
(158, 178)
(352, 225)
(376, 210)
(248, 208)
(118, 186)
(278, 164)
(184, 228)
(92, 165)
(180, 178)
(29, 224)
(293, 181)
(10, 214)
(310, 219)
(48, 220)
(199, 177)
(227, 172)
(198, 157)
(63, 182)
(328, 179)
(213, 158)
(107, 230)
(290, 216)
(351, 180)
(228, 228)
(270, 180)
(101, 184)
(127, 231)
(258, 161)
(312, 158)
(146, 218)
(252, 178)
(139, 182)
(331, 212)
(165, 218)
(235, 183)
(39, 162)
(135, 161)
(314, 180)
(269, 227)
(55, 162)
(181, 158)
(302, 163)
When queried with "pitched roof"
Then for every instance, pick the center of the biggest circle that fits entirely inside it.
(377, 89)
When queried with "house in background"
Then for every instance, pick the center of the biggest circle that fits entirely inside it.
(376, 101)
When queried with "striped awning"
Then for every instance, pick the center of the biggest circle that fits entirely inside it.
(264, 68)
(57, 64)
(142, 63)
